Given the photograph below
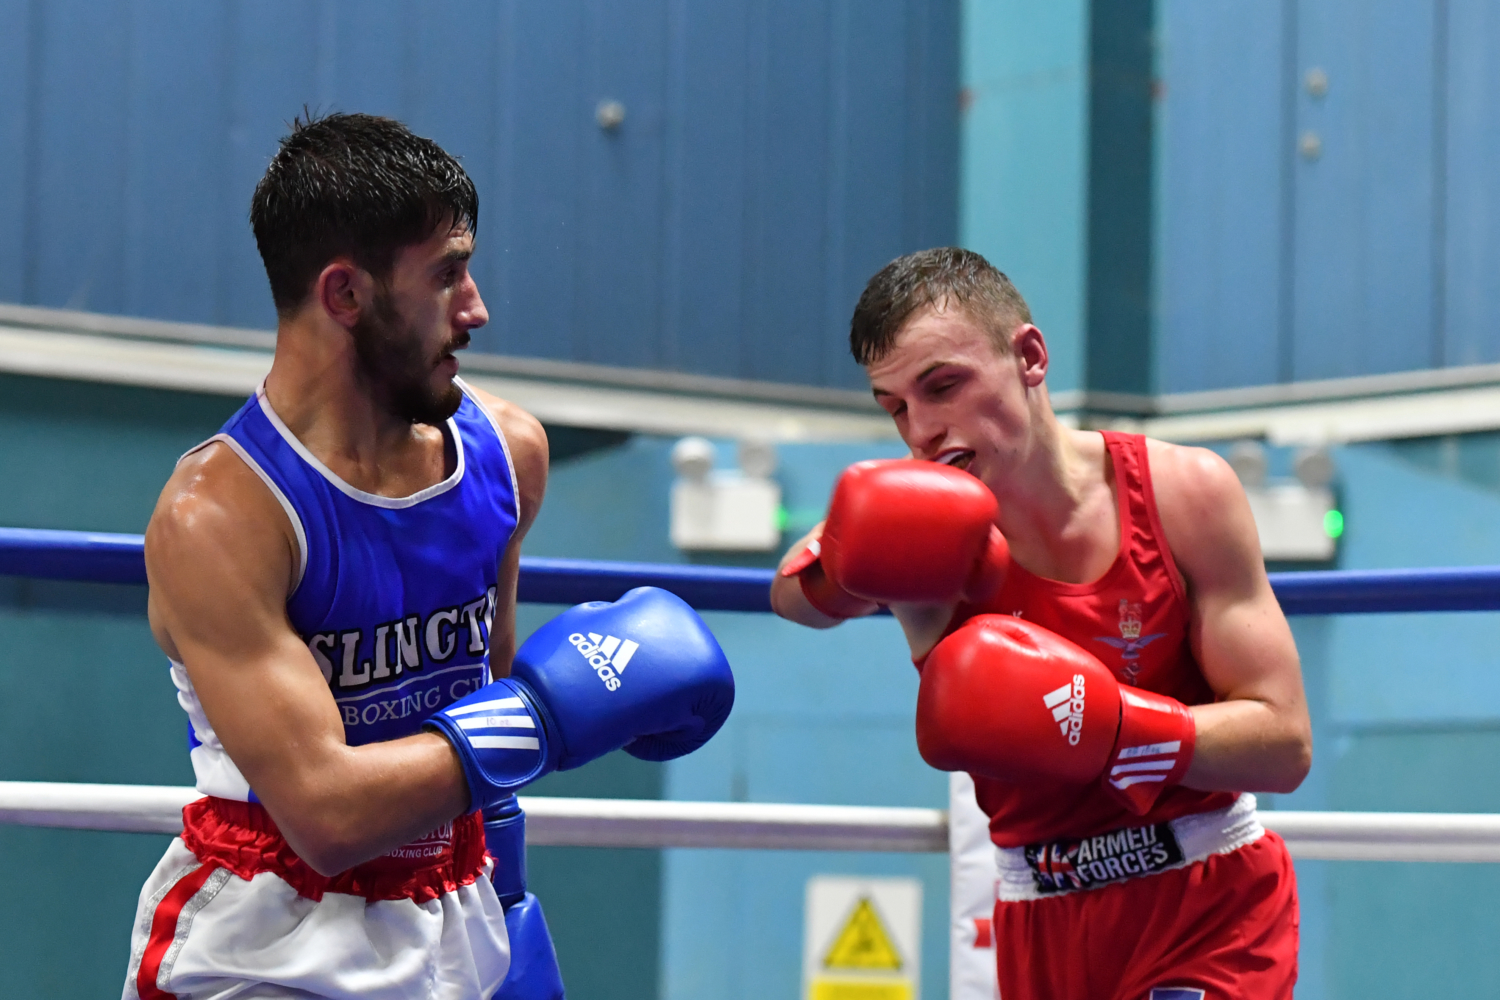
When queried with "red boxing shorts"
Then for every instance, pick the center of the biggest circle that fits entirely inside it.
(1217, 924)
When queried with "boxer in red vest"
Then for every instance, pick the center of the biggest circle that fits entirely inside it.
(1098, 643)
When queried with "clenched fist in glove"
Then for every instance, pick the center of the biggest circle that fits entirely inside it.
(902, 531)
(643, 674)
(1007, 699)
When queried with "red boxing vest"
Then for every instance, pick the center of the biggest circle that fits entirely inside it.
(1135, 619)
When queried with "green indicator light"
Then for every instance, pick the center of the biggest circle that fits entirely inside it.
(1333, 523)
(781, 518)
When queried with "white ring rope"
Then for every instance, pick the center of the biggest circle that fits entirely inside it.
(1332, 836)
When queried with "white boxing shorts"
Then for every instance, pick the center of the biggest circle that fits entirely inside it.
(231, 911)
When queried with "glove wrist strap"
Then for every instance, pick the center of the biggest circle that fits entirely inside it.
(829, 598)
(1152, 750)
(498, 756)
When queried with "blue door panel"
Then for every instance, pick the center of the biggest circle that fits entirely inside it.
(1471, 315)
(15, 71)
(1221, 153)
(619, 279)
(1364, 207)
(538, 238)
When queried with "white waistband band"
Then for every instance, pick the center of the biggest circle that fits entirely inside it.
(1199, 835)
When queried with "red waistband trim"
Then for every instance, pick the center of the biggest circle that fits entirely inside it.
(242, 837)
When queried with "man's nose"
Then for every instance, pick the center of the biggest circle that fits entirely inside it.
(924, 431)
(472, 314)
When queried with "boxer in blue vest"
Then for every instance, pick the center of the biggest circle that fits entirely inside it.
(333, 579)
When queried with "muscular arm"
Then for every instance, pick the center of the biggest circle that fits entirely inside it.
(1257, 736)
(220, 558)
(528, 450)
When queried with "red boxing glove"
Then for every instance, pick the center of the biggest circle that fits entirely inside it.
(908, 531)
(1007, 699)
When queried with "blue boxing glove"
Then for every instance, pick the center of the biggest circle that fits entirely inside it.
(533, 974)
(643, 673)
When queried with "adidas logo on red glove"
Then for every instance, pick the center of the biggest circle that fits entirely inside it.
(1067, 708)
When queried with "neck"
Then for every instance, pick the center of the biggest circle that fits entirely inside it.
(1055, 477)
(317, 389)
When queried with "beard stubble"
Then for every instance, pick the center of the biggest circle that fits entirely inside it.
(390, 356)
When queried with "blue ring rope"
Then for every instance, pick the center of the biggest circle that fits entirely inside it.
(99, 557)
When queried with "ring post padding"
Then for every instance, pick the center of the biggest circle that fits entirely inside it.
(107, 558)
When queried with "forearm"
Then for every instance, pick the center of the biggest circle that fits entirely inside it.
(923, 625)
(1248, 745)
(788, 601)
(357, 803)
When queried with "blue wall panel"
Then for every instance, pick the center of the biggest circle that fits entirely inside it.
(271, 60)
(706, 151)
(772, 157)
(1220, 127)
(1471, 319)
(173, 178)
(790, 131)
(76, 193)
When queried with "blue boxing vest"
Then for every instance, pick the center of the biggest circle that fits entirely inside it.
(394, 597)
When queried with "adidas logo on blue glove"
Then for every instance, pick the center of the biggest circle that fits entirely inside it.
(552, 714)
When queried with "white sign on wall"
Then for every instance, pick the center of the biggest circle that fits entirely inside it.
(862, 939)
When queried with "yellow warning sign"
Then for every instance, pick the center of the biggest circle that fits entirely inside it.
(863, 943)
(862, 939)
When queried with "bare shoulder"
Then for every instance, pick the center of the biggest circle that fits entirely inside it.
(1204, 513)
(1190, 482)
(527, 440)
(217, 526)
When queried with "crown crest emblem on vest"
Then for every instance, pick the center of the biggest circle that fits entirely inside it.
(1130, 620)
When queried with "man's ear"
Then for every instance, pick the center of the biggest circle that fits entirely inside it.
(1030, 347)
(343, 290)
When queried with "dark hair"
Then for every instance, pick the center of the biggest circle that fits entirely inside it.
(352, 185)
(944, 275)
